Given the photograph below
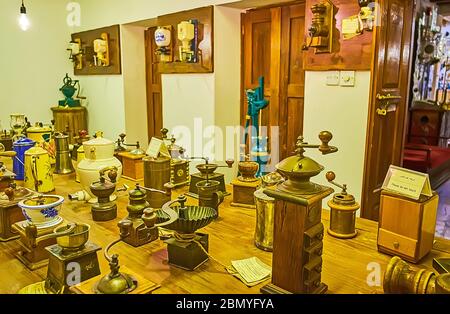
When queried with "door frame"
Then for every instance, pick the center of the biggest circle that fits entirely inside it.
(365, 213)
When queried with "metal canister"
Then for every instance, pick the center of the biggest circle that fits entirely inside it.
(63, 160)
(265, 206)
(38, 170)
(156, 174)
(20, 147)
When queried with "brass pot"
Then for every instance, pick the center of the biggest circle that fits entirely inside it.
(74, 241)
(248, 170)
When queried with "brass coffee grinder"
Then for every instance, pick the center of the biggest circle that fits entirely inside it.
(298, 231)
(187, 248)
(401, 278)
(207, 172)
(10, 212)
(72, 259)
(105, 209)
(121, 146)
(245, 185)
(120, 282)
(179, 167)
(143, 229)
(343, 211)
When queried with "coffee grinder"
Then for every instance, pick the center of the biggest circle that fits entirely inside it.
(343, 211)
(6, 176)
(245, 185)
(298, 231)
(10, 212)
(187, 248)
(42, 217)
(126, 282)
(120, 146)
(207, 172)
(179, 167)
(105, 209)
(143, 229)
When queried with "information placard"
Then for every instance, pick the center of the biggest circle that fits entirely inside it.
(406, 182)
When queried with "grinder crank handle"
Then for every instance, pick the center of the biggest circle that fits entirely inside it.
(124, 227)
(173, 215)
(330, 175)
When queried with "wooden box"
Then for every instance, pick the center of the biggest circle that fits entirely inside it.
(243, 193)
(406, 227)
(133, 166)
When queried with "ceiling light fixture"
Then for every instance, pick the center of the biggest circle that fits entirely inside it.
(24, 22)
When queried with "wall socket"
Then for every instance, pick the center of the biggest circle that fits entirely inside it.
(333, 78)
(347, 78)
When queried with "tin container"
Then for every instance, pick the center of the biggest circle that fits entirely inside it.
(20, 147)
(63, 160)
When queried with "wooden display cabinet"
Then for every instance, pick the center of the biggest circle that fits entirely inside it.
(71, 119)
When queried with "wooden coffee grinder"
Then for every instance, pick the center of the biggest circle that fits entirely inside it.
(298, 231)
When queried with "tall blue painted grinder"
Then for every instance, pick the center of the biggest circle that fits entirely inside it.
(258, 145)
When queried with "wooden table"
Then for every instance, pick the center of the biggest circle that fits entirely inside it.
(345, 262)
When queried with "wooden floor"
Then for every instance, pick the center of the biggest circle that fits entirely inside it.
(231, 238)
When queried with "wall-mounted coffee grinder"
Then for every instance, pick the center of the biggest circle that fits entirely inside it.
(105, 209)
(143, 229)
(207, 172)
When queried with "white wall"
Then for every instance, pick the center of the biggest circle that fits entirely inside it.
(110, 93)
(343, 111)
(32, 63)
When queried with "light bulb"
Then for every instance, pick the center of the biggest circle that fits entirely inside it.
(24, 22)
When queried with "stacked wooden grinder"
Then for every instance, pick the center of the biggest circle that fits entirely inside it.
(298, 231)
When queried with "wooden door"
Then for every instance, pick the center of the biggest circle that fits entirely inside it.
(271, 47)
(154, 93)
(390, 77)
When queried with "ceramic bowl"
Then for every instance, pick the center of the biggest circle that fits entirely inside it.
(43, 210)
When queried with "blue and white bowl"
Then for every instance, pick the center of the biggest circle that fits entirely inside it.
(43, 210)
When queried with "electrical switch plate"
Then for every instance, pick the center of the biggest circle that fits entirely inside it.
(333, 78)
(347, 78)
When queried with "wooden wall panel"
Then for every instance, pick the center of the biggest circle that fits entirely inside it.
(352, 54)
(87, 45)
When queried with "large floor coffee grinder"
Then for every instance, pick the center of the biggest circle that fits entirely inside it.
(298, 231)
(207, 172)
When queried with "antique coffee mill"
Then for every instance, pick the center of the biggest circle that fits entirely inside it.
(105, 209)
(143, 229)
(207, 172)
(298, 231)
(187, 248)
(179, 167)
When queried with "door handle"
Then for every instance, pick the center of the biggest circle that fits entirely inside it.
(387, 97)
